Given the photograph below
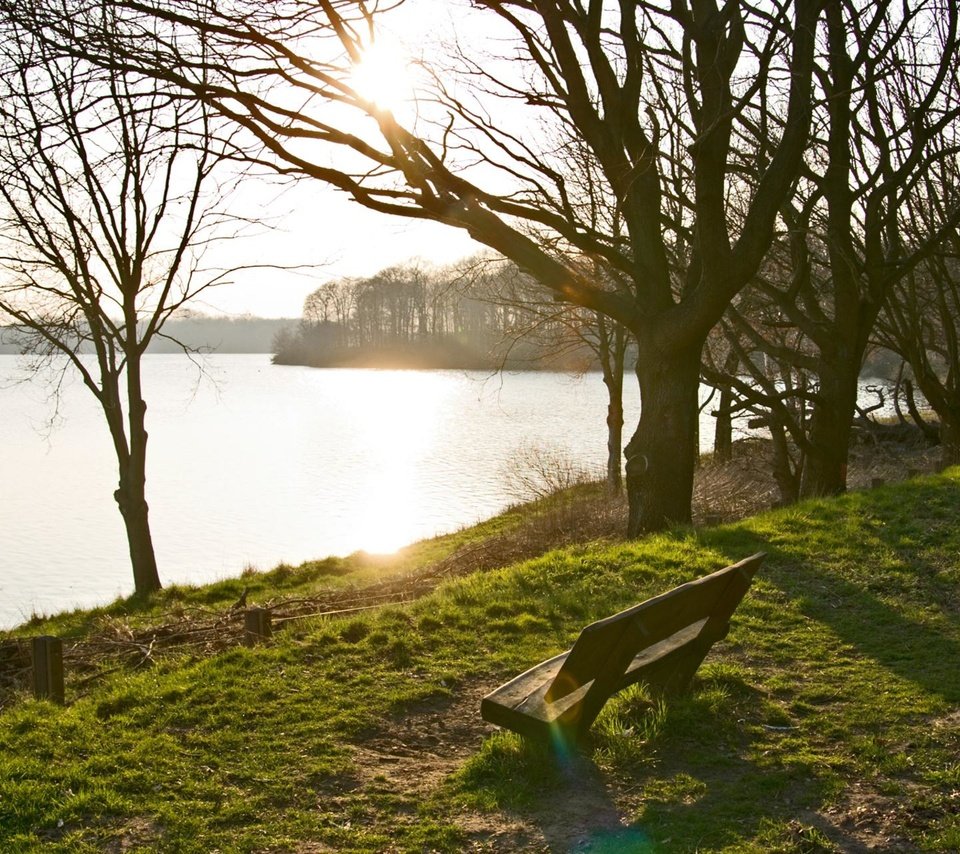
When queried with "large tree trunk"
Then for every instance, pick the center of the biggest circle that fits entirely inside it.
(825, 467)
(945, 406)
(950, 437)
(661, 456)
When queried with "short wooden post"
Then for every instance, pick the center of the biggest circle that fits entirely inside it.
(877, 482)
(256, 626)
(48, 668)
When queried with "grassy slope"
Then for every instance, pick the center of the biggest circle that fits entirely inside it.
(838, 682)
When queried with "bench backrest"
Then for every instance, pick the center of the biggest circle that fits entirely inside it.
(605, 649)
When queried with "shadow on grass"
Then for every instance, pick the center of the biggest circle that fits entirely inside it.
(914, 651)
(688, 799)
(857, 601)
(738, 802)
(699, 780)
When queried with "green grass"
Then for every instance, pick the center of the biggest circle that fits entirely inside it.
(837, 689)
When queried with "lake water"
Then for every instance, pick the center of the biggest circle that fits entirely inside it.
(252, 464)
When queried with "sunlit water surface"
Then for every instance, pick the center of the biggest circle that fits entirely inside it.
(251, 464)
(254, 464)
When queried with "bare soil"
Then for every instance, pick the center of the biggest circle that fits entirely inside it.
(413, 754)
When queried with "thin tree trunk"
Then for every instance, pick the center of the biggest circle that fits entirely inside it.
(615, 441)
(136, 516)
(130, 497)
(723, 432)
(784, 472)
(930, 432)
(662, 453)
(611, 363)
(896, 394)
(132, 464)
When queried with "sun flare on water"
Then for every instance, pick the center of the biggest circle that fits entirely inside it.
(397, 422)
(383, 75)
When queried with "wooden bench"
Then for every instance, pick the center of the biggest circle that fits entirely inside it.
(660, 642)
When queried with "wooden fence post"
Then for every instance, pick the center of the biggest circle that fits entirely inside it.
(877, 482)
(48, 668)
(256, 626)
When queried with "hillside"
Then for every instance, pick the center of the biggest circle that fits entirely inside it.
(828, 720)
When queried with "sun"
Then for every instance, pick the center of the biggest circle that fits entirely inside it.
(382, 76)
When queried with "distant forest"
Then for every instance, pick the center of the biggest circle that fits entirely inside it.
(197, 332)
(480, 313)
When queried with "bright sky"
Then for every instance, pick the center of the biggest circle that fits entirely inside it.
(336, 237)
(315, 225)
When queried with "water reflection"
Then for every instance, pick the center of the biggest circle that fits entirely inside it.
(394, 419)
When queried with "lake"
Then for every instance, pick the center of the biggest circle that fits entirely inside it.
(251, 464)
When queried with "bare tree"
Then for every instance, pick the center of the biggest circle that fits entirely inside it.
(103, 223)
(921, 317)
(573, 337)
(764, 367)
(890, 91)
(655, 91)
(885, 118)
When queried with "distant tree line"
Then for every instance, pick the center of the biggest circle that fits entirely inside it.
(186, 331)
(480, 313)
